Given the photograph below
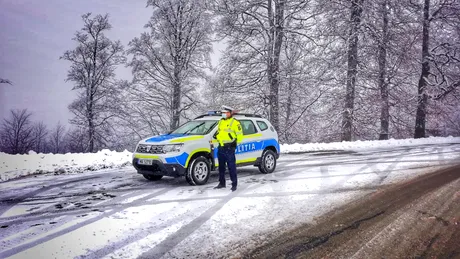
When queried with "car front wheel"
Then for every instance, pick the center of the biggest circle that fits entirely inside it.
(199, 171)
(268, 162)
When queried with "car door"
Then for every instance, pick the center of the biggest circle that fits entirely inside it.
(250, 148)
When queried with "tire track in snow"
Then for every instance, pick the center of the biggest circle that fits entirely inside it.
(173, 240)
(29, 245)
(34, 193)
(127, 240)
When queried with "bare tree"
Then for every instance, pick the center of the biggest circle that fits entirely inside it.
(17, 132)
(347, 123)
(94, 61)
(256, 32)
(382, 60)
(303, 84)
(276, 23)
(170, 58)
(420, 117)
(56, 139)
(40, 133)
(443, 57)
(255, 68)
(75, 140)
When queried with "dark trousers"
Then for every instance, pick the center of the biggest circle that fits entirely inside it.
(226, 155)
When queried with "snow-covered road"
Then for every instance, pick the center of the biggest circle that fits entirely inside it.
(116, 213)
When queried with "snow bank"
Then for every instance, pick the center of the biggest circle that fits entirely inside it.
(360, 145)
(14, 166)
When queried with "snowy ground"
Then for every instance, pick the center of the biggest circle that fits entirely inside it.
(115, 213)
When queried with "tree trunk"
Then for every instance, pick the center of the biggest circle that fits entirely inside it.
(270, 59)
(91, 126)
(347, 122)
(276, 41)
(90, 121)
(422, 83)
(288, 110)
(383, 44)
(176, 99)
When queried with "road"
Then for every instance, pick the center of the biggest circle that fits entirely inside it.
(417, 219)
(119, 214)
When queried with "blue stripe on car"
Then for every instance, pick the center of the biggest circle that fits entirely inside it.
(164, 137)
(254, 146)
(181, 159)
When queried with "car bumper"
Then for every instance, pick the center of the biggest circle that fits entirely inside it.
(159, 168)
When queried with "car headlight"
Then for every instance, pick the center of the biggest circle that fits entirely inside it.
(142, 148)
(172, 148)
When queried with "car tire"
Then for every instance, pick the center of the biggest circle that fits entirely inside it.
(199, 171)
(152, 177)
(267, 162)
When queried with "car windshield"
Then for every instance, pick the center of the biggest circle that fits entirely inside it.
(200, 127)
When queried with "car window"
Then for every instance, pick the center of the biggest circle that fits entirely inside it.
(199, 127)
(248, 127)
(262, 125)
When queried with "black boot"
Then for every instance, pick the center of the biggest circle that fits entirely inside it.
(220, 186)
(233, 188)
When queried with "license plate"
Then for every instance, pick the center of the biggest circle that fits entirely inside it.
(145, 161)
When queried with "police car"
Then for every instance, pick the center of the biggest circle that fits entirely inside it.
(191, 150)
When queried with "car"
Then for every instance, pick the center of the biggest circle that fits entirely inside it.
(191, 149)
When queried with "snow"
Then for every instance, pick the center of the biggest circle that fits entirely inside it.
(15, 166)
(369, 144)
(171, 219)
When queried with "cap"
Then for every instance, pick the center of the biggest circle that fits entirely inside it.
(226, 109)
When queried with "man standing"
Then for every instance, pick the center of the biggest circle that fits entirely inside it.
(228, 135)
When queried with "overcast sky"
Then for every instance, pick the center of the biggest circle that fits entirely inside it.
(34, 34)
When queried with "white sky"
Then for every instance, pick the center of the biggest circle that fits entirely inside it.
(34, 34)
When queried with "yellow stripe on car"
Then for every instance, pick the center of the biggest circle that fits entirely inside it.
(242, 161)
(250, 160)
(146, 156)
(252, 136)
(194, 152)
(185, 139)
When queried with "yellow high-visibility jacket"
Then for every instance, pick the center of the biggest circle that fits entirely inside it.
(228, 131)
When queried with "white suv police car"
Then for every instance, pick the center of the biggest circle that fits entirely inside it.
(191, 150)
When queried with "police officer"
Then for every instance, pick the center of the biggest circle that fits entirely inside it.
(228, 134)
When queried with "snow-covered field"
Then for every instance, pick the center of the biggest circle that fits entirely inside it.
(14, 166)
(116, 213)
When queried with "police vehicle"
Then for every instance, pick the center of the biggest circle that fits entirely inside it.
(191, 150)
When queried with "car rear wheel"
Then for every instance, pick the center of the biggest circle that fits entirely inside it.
(268, 162)
(199, 171)
(152, 177)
